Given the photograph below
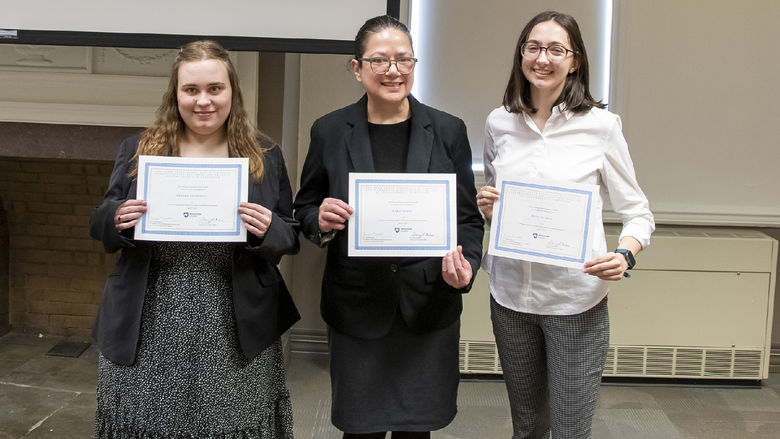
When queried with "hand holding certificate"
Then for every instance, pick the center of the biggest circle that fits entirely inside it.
(542, 221)
(402, 214)
(192, 199)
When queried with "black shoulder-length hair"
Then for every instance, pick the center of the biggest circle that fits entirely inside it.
(575, 94)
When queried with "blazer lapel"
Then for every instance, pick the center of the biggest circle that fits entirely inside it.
(420, 139)
(357, 140)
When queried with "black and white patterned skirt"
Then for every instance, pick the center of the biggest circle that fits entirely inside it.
(190, 379)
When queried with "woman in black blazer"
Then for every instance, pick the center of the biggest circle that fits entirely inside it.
(393, 322)
(189, 332)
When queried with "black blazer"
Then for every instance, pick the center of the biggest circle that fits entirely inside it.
(262, 305)
(361, 295)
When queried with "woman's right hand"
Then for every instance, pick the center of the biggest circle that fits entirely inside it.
(333, 214)
(128, 214)
(486, 196)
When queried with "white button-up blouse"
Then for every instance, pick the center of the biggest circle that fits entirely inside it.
(581, 148)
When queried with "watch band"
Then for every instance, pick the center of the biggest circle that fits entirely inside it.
(628, 255)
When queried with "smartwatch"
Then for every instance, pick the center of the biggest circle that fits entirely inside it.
(628, 255)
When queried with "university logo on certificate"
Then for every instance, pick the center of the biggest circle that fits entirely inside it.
(543, 221)
(402, 214)
(192, 199)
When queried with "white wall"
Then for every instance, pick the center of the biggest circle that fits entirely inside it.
(466, 50)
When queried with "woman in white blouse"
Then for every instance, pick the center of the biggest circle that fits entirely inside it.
(551, 323)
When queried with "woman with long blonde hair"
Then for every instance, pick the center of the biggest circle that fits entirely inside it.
(189, 331)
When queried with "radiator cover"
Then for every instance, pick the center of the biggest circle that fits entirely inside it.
(699, 304)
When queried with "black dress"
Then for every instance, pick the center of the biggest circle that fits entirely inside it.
(189, 379)
(403, 381)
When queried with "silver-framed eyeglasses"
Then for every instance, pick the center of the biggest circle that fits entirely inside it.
(555, 52)
(381, 66)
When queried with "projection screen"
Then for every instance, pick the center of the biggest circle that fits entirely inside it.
(311, 26)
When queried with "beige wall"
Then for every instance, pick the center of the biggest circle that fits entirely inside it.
(702, 129)
(466, 73)
(103, 86)
(326, 84)
(466, 49)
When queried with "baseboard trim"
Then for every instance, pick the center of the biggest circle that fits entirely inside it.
(309, 341)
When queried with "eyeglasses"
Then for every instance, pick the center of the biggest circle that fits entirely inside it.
(555, 52)
(381, 66)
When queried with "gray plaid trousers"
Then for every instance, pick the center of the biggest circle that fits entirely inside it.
(552, 368)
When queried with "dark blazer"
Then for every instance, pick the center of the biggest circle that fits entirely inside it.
(361, 295)
(262, 305)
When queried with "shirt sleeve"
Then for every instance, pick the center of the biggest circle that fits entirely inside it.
(488, 155)
(314, 188)
(281, 238)
(625, 195)
(101, 223)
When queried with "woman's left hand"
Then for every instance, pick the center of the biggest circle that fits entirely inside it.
(609, 266)
(486, 197)
(256, 218)
(455, 269)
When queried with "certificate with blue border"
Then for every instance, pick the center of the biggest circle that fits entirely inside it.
(192, 199)
(543, 221)
(403, 215)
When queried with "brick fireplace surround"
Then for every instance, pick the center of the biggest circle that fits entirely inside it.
(51, 272)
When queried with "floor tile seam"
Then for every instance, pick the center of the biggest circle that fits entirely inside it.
(49, 389)
(57, 410)
(39, 423)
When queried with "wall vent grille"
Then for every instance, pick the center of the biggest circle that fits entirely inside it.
(642, 361)
(717, 363)
(630, 361)
(609, 367)
(479, 357)
(689, 362)
(747, 363)
(659, 362)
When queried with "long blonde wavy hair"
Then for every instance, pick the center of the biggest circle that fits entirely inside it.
(162, 137)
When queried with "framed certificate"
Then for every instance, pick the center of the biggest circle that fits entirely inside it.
(192, 199)
(543, 221)
(402, 214)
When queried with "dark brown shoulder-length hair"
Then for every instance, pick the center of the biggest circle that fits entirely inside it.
(575, 94)
(162, 137)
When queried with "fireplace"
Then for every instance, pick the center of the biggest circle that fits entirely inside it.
(51, 272)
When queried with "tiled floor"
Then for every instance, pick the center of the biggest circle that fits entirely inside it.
(54, 397)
